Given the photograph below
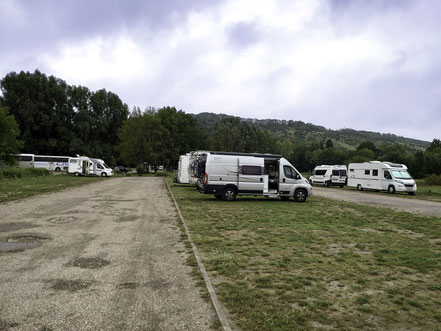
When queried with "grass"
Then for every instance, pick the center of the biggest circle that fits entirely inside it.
(14, 189)
(318, 265)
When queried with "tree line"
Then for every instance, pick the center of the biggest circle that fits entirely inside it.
(44, 115)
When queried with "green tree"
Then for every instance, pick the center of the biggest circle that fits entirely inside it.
(329, 143)
(9, 131)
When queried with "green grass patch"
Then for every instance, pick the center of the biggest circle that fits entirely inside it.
(23, 172)
(24, 187)
(322, 264)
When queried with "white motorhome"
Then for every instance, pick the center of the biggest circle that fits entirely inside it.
(83, 165)
(183, 174)
(229, 174)
(376, 175)
(328, 175)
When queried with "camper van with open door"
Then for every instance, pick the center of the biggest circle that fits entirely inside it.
(227, 175)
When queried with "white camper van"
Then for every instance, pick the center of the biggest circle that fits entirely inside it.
(229, 174)
(376, 175)
(84, 165)
(183, 174)
(328, 175)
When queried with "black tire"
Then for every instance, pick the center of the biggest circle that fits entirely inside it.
(327, 184)
(391, 189)
(300, 195)
(359, 188)
(284, 198)
(57, 169)
(103, 174)
(77, 174)
(218, 196)
(341, 186)
(229, 194)
(411, 193)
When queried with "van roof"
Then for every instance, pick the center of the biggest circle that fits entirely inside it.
(269, 156)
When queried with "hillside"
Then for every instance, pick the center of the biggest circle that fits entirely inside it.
(298, 131)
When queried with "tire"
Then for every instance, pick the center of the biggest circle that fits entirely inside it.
(229, 194)
(300, 195)
(103, 174)
(284, 198)
(218, 196)
(359, 188)
(411, 193)
(341, 186)
(57, 169)
(77, 174)
(327, 184)
(391, 189)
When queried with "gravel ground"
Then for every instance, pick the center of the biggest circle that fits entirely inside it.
(401, 204)
(105, 256)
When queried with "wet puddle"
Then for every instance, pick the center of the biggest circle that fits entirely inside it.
(20, 243)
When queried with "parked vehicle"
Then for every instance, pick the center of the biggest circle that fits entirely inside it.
(376, 175)
(120, 169)
(229, 174)
(49, 162)
(328, 175)
(84, 165)
(183, 174)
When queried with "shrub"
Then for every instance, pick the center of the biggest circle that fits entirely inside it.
(140, 169)
(23, 172)
(161, 174)
(433, 180)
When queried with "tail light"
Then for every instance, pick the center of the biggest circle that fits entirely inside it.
(206, 178)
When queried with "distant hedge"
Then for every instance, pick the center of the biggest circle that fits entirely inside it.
(433, 180)
(23, 172)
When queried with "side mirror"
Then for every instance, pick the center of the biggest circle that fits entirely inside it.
(297, 176)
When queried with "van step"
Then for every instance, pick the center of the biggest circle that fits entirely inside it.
(273, 196)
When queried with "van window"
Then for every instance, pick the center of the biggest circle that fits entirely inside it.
(351, 170)
(387, 175)
(289, 172)
(73, 161)
(374, 172)
(25, 158)
(335, 173)
(367, 172)
(251, 170)
(342, 172)
(99, 166)
(320, 172)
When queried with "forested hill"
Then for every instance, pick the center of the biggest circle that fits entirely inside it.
(298, 131)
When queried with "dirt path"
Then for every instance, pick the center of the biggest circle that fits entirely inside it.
(104, 256)
(401, 204)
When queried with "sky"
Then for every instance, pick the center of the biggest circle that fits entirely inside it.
(363, 64)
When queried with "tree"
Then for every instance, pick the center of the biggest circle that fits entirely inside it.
(329, 143)
(9, 131)
(143, 139)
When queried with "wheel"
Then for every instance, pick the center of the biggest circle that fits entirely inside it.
(77, 174)
(57, 169)
(327, 183)
(229, 194)
(284, 198)
(391, 189)
(300, 195)
(341, 186)
(218, 196)
(310, 182)
(103, 174)
(359, 187)
(411, 193)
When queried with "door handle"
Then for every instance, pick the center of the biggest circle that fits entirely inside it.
(261, 179)
(283, 180)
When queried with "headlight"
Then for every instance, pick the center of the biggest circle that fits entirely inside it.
(399, 181)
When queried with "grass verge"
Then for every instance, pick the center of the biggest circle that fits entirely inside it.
(323, 264)
(15, 189)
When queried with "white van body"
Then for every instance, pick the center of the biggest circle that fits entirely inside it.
(51, 163)
(229, 174)
(183, 174)
(84, 166)
(381, 176)
(328, 175)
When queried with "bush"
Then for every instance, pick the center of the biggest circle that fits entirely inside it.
(161, 174)
(140, 169)
(23, 172)
(433, 180)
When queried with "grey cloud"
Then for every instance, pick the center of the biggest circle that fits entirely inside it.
(243, 34)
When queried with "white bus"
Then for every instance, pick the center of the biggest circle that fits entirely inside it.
(49, 162)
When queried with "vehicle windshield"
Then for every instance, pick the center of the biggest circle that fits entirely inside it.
(400, 174)
(106, 166)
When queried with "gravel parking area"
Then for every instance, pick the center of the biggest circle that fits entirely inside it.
(414, 206)
(104, 256)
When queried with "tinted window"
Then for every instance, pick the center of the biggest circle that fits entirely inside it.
(335, 173)
(351, 170)
(320, 172)
(42, 159)
(289, 172)
(99, 166)
(367, 172)
(387, 175)
(251, 170)
(73, 161)
(25, 158)
(374, 172)
(342, 172)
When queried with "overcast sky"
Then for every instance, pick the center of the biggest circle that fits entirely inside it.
(363, 64)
